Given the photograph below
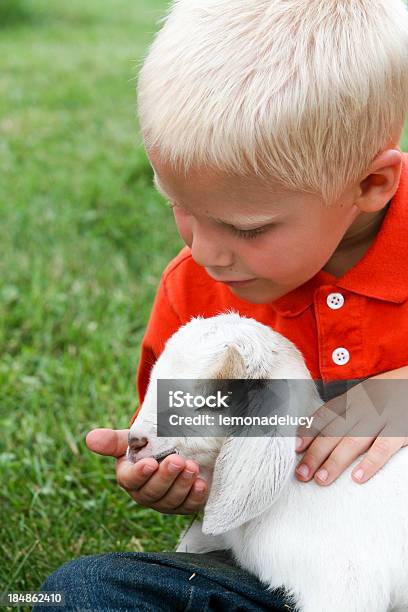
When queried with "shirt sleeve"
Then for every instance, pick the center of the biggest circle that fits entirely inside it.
(162, 324)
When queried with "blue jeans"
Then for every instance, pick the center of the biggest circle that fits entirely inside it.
(160, 582)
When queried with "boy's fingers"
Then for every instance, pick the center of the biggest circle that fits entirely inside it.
(171, 489)
(331, 454)
(111, 442)
(303, 442)
(322, 417)
(168, 491)
(341, 458)
(317, 452)
(132, 476)
(150, 487)
(178, 491)
(337, 427)
(195, 499)
(378, 455)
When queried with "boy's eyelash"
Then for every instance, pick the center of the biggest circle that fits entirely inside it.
(247, 234)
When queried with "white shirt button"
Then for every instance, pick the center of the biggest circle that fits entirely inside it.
(341, 356)
(335, 301)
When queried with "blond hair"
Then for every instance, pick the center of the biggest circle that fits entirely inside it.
(303, 92)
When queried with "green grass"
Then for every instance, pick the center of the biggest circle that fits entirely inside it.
(84, 238)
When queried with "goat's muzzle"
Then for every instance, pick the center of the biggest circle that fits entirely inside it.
(136, 444)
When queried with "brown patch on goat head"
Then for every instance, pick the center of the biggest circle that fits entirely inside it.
(233, 365)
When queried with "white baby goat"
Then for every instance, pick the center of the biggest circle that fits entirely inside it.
(340, 548)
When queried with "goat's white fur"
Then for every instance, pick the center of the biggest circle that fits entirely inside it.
(340, 548)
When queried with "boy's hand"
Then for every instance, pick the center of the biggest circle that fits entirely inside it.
(375, 421)
(158, 486)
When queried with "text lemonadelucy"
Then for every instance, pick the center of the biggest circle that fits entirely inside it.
(207, 420)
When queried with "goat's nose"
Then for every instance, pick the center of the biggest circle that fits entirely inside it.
(136, 443)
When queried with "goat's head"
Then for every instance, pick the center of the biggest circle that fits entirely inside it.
(248, 473)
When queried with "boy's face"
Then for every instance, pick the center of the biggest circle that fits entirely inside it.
(240, 229)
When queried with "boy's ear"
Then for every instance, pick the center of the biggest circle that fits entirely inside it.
(381, 183)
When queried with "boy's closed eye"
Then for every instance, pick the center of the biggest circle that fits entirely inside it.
(247, 234)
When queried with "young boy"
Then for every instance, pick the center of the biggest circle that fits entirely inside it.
(273, 128)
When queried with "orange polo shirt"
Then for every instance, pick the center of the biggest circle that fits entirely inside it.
(351, 327)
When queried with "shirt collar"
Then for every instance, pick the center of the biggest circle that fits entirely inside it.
(382, 272)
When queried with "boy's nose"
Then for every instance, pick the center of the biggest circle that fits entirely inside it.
(209, 250)
(211, 256)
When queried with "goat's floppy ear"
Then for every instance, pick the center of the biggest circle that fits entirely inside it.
(249, 474)
(233, 365)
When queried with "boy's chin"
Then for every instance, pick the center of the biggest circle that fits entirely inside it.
(256, 295)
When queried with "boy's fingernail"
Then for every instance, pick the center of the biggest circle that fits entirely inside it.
(148, 469)
(174, 467)
(200, 486)
(322, 475)
(303, 470)
(299, 443)
(359, 474)
(187, 474)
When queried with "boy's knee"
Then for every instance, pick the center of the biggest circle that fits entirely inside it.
(77, 581)
(114, 581)
(67, 574)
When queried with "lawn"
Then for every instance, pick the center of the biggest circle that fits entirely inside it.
(84, 238)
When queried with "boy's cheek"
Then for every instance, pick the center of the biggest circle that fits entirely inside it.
(183, 227)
